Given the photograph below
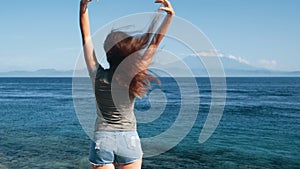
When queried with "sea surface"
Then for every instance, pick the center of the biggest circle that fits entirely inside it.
(39, 127)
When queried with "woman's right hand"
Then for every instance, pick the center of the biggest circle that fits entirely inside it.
(85, 1)
(83, 5)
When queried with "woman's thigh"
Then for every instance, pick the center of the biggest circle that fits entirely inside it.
(135, 165)
(107, 166)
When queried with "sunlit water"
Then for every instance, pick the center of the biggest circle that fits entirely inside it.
(259, 128)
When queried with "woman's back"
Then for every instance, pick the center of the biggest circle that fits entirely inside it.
(112, 115)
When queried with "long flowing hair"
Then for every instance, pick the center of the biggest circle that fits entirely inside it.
(118, 46)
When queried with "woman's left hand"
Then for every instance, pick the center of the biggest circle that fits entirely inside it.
(167, 6)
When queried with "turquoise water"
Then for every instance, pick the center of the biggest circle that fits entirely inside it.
(259, 128)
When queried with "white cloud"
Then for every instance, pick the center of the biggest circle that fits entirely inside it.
(239, 59)
(212, 53)
(209, 53)
(268, 64)
(204, 53)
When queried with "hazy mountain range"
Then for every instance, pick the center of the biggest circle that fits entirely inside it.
(232, 68)
(38, 73)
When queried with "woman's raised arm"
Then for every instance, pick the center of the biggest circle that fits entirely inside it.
(162, 30)
(88, 48)
(160, 34)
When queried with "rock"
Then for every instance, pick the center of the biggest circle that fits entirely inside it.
(84, 163)
(2, 166)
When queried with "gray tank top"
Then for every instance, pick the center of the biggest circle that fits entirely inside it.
(109, 115)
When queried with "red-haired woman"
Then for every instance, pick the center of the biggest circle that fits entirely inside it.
(116, 140)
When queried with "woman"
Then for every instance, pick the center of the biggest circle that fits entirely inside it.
(116, 140)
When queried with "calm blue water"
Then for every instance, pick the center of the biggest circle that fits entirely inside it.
(259, 129)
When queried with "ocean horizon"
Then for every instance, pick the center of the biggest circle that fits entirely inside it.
(259, 127)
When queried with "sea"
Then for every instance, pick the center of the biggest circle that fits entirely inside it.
(259, 127)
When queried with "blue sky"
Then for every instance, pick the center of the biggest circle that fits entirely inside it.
(45, 34)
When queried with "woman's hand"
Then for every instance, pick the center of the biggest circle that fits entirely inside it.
(83, 5)
(85, 1)
(167, 6)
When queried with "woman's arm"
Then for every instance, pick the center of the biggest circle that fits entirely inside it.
(164, 26)
(88, 48)
(160, 34)
(162, 30)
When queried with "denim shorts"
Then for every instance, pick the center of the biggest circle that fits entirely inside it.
(122, 147)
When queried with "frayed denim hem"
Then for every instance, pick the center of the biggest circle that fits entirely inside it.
(99, 164)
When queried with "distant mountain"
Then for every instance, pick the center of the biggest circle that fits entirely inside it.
(231, 67)
(38, 73)
(181, 68)
(235, 68)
